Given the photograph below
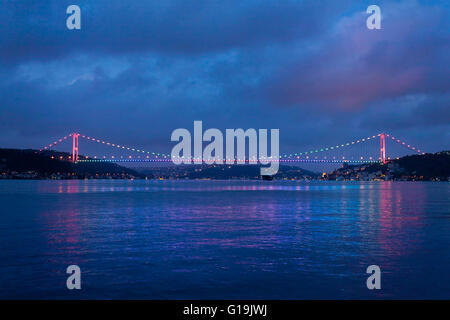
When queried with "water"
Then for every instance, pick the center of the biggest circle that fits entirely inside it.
(224, 239)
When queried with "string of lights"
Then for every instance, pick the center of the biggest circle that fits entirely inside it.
(318, 150)
(51, 145)
(247, 161)
(283, 156)
(156, 154)
(293, 157)
(404, 144)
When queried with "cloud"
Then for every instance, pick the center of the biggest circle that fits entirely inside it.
(136, 71)
(410, 112)
(353, 66)
(38, 32)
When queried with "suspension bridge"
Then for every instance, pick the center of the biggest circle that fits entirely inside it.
(338, 153)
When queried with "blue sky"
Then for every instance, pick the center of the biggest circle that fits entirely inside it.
(137, 70)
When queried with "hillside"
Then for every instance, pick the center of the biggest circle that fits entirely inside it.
(224, 172)
(32, 164)
(428, 167)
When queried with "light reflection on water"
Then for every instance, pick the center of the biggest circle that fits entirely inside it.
(90, 186)
(224, 239)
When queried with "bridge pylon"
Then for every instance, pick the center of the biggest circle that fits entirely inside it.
(383, 148)
(75, 147)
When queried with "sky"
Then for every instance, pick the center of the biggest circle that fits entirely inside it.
(137, 70)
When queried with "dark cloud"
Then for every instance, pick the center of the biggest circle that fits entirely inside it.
(420, 112)
(32, 31)
(354, 66)
(138, 70)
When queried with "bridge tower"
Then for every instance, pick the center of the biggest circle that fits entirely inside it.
(75, 147)
(383, 148)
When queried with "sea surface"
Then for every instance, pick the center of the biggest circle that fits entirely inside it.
(224, 239)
